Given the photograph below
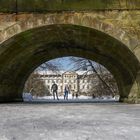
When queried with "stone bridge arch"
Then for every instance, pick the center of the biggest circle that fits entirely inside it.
(22, 53)
(122, 25)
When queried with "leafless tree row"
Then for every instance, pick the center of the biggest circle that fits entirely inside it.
(106, 84)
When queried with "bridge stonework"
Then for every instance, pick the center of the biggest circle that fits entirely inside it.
(122, 25)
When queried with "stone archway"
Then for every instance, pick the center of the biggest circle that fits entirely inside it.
(21, 54)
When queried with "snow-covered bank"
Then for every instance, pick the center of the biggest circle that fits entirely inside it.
(29, 97)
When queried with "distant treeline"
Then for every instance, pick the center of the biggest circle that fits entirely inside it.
(58, 5)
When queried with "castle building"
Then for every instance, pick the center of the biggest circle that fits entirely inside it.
(76, 81)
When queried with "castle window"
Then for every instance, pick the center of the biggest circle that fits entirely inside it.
(83, 86)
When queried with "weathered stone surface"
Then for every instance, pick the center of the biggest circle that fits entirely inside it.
(24, 52)
(125, 26)
(59, 5)
(29, 39)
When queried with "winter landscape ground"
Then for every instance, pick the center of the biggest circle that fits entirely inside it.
(75, 121)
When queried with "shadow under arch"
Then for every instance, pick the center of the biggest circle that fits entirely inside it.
(21, 54)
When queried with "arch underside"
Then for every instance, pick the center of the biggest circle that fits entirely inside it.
(21, 54)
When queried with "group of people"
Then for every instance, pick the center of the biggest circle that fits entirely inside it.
(54, 89)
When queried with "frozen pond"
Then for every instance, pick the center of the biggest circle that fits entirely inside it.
(93, 121)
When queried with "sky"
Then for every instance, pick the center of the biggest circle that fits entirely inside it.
(65, 63)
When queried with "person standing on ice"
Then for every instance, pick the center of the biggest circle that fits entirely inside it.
(66, 92)
(54, 89)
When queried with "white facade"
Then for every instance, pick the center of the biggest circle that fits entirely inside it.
(75, 80)
(70, 79)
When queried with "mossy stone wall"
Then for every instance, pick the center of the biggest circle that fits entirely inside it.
(59, 5)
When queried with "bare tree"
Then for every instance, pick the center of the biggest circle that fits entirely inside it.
(106, 85)
(49, 66)
(35, 84)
